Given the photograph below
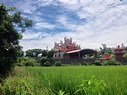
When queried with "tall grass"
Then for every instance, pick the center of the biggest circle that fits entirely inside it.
(66, 80)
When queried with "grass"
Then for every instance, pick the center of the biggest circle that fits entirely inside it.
(65, 80)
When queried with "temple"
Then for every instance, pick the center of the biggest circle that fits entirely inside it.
(70, 50)
(66, 46)
(119, 52)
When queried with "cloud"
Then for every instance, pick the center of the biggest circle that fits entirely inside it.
(88, 22)
(27, 11)
(40, 25)
(30, 35)
(87, 39)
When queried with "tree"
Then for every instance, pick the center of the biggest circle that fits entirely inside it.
(44, 53)
(33, 52)
(50, 54)
(125, 56)
(10, 49)
(105, 49)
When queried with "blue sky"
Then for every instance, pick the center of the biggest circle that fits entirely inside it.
(88, 22)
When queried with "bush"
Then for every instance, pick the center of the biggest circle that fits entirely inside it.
(43, 60)
(125, 56)
(98, 63)
(23, 83)
(111, 62)
(47, 63)
(78, 64)
(86, 63)
(58, 63)
(6, 66)
(112, 56)
(26, 61)
(38, 64)
(105, 62)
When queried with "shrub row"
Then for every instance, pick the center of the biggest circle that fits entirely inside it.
(107, 62)
(47, 62)
(28, 61)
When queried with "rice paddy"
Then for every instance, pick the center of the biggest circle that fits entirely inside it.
(68, 80)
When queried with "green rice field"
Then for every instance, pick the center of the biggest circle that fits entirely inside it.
(67, 80)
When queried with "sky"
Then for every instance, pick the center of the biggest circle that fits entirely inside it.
(88, 22)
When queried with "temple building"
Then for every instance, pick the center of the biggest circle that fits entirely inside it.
(119, 52)
(70, 50)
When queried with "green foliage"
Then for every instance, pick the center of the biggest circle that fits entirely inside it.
(78, 64)
(6, 64)
(107, 62)
(58, 63)
(105, 49)
(20, 21)
(26, 61)
(44, 53)
(23, 84)
(62, 79)
(10, 49)
(91, 87)
(17, 87)
(99, 54)
(60, 92)
(69, 80)
(47, 63)
(43, 60)
(112, 56)
(33, 52)
(125, 56)
(111, 62)
(50, 54)
(98, 63)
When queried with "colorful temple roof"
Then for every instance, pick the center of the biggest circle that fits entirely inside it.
(66, 46)
(120, 48)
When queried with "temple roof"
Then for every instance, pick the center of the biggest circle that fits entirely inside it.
(83, 51)
(119, 48)
(66, 46)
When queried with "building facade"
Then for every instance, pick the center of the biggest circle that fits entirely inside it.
(70, 50)
(63, 47)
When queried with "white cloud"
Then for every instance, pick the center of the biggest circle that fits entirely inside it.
(69, 2)
(30, 35)
(65, 22)
(43, 2)
(27, 11)
(25, 5)
(106, 23)
(87, 39)
(44, 25)
(107, 26)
